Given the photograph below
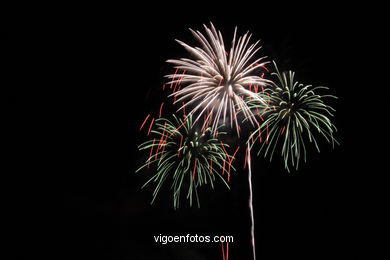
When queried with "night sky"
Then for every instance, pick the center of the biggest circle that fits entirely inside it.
(111, 65)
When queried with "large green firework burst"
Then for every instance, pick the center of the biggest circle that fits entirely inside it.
(294, 114)
(187, 155)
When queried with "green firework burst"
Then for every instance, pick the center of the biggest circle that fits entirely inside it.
(293, 114)
(187, 155)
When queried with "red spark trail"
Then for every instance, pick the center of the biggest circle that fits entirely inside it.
(179, 81)
(230, 162)
(206, 121)
(258, 113)
(184, 110)
(224, 162)
(225, 256)
(228, 179)
(223, 147)
(173, 79)
(150, 127)
(144, 122)
(177, 129)
(174, 88)
(161, 106)
(181, 143)
(260, 138)
(262, 66)
(227, 250)
(160, 143)
(163, 135)
(238, 148)
(223, 252)
(178, 88)
(283, 130)
(164, 142)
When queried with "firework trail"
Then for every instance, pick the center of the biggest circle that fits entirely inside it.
(293, 114)
(225, 250)
(251, 202)
(186, 154)
(215, 82)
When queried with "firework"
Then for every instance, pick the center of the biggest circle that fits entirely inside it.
(188, 155)
(294, 113)
(215, 82)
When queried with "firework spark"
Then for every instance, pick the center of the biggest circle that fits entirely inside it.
(216, 82)
(188, 155)
(293, 113)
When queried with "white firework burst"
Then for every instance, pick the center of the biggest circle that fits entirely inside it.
(216, 82)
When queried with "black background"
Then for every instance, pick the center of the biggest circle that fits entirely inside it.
(107, 68)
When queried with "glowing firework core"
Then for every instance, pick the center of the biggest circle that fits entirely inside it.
(216, 82)
(183, 154)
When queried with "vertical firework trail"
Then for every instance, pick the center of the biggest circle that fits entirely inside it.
(251, 201)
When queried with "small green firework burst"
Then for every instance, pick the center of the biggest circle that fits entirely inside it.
(294, 113)
(187, 155)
